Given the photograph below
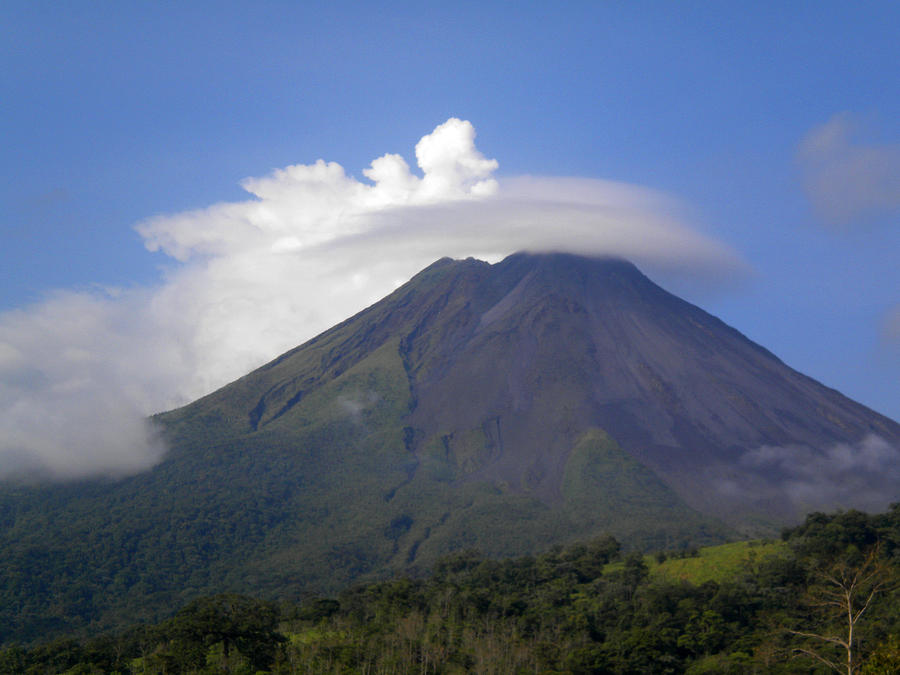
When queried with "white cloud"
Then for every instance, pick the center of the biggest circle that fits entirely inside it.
(306, 205)
(847, 180)
(861, 475)
(252, 279)
(76, 379)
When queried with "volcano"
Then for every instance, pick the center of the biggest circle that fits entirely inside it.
(505, 407)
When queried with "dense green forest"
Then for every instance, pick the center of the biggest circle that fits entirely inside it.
(823, 599)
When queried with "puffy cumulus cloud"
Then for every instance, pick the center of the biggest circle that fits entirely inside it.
(249, 280)
(845, 179)
(306, 205)
(451, 165)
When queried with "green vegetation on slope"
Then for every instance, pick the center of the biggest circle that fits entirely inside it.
(301, 499)
(715, 563)
(607, 490)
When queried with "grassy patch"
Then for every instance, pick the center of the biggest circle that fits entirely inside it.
(714, 563)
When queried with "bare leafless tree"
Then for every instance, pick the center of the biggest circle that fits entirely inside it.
(843, 592)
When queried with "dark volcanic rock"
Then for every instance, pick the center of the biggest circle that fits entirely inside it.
(540, 348)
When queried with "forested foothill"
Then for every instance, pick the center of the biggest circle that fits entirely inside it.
(821, 599)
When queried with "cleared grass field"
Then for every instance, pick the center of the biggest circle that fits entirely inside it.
(711, 563)
(714, 563)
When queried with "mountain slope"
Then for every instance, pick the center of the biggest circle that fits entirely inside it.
(506, 407)
(419, 455)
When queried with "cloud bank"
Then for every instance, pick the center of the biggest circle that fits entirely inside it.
(76, 381)
(249, 280)
(845, 179)
(863, 475)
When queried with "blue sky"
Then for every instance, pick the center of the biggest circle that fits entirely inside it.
(766, 131)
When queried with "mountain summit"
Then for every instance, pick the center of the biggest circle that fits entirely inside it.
(506, 407)
(509, 365)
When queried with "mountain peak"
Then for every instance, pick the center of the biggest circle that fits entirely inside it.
(576, 275)
(508, 407)
(559, 261)
(563, 268)
(538, 337)
(686, 395)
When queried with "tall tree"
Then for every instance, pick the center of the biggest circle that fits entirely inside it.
(840, 595)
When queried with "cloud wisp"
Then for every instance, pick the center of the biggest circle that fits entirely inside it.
(863, 475)
(249, 280)
(891, 326)
(845, 179)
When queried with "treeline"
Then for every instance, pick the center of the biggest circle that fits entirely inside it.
(825, 601)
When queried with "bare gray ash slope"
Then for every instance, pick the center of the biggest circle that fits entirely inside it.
(679, 390)
(552, 345)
